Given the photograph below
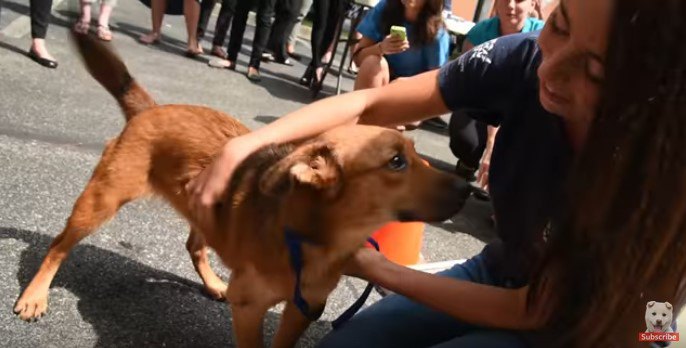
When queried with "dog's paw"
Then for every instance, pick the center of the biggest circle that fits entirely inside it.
(31, 307)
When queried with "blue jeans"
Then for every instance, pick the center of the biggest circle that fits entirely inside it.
(397, 322)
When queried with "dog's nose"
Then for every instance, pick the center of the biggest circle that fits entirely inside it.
(659, 322)
(459, 187)
(456, 191)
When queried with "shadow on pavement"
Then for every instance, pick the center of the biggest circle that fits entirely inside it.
(130, 304)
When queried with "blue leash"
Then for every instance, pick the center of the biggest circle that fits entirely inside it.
(294, 244)
(360, 301)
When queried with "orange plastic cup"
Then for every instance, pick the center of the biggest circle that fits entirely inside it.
(401, 242)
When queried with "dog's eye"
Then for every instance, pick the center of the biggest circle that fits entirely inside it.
(664, 314)
(654, 314)
(397, 163)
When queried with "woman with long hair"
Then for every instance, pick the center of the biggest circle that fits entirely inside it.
(587, 181)
(619, 242)
(382, 57)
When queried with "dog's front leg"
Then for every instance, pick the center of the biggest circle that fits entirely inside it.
(247, 324)
(293, 324)
(248, 307)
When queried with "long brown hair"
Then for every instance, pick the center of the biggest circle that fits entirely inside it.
(621, 241)
(428, 23)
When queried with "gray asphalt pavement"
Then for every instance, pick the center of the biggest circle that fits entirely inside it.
(132, 283)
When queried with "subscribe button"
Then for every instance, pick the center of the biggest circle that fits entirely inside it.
(658, 337)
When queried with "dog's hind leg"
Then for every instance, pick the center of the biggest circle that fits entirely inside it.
(117, 179)
(197, 247)
(293, 324)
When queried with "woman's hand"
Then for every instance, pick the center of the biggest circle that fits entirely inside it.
(206, 189)
(485, 166)
(393, 44)
(365, 264)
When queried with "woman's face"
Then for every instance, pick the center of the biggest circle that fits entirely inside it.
(573, 43)
(413, 4)
(514, 12)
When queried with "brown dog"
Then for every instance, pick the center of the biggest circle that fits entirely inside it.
(332, 191)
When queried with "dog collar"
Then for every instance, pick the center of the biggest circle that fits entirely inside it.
(294, 243)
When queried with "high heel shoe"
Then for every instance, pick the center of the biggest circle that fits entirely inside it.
(306, 80)
(316, 84)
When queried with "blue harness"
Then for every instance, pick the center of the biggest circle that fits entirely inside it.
(294, 243)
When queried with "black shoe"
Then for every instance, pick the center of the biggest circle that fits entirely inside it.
(48, 63)
(480, 193)
(316, 85)
(465, 172)
(295, 56)
(436, 122)
(469, 174)
(282, 60)
(306, 80)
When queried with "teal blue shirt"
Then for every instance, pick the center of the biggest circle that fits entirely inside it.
(489, 29)
(415, 60)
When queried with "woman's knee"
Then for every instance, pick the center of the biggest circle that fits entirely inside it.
(374, 65)
(373, 72)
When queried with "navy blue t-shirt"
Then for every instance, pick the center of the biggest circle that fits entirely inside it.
(531, 154)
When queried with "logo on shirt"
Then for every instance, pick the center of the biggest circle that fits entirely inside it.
(482, 51)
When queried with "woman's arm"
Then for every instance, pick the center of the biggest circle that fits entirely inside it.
(412, 99)
(389, 45)
(466, 301)
(364, 48)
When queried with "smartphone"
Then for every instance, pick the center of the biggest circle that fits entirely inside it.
(399, 31)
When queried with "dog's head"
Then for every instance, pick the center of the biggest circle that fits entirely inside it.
(367, 174)
(658, 316)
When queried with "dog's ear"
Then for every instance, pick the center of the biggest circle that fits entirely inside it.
(650, 304)
(668, 305)
(314, 165)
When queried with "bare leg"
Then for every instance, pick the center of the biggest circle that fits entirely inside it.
(191, 12)
(196, 246)
(157, 9)
(85, 12)
(105, 13)
(104, 32)
(373, 72)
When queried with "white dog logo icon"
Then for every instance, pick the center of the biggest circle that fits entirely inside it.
(659, 317)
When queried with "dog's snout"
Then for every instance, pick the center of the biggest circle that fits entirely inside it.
(659, 322)
(453, 194)
(457, 187)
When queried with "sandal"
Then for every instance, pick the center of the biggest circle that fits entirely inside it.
(82, 27)
(104, 33)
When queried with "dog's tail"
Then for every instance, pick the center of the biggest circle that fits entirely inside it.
(108, 69)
